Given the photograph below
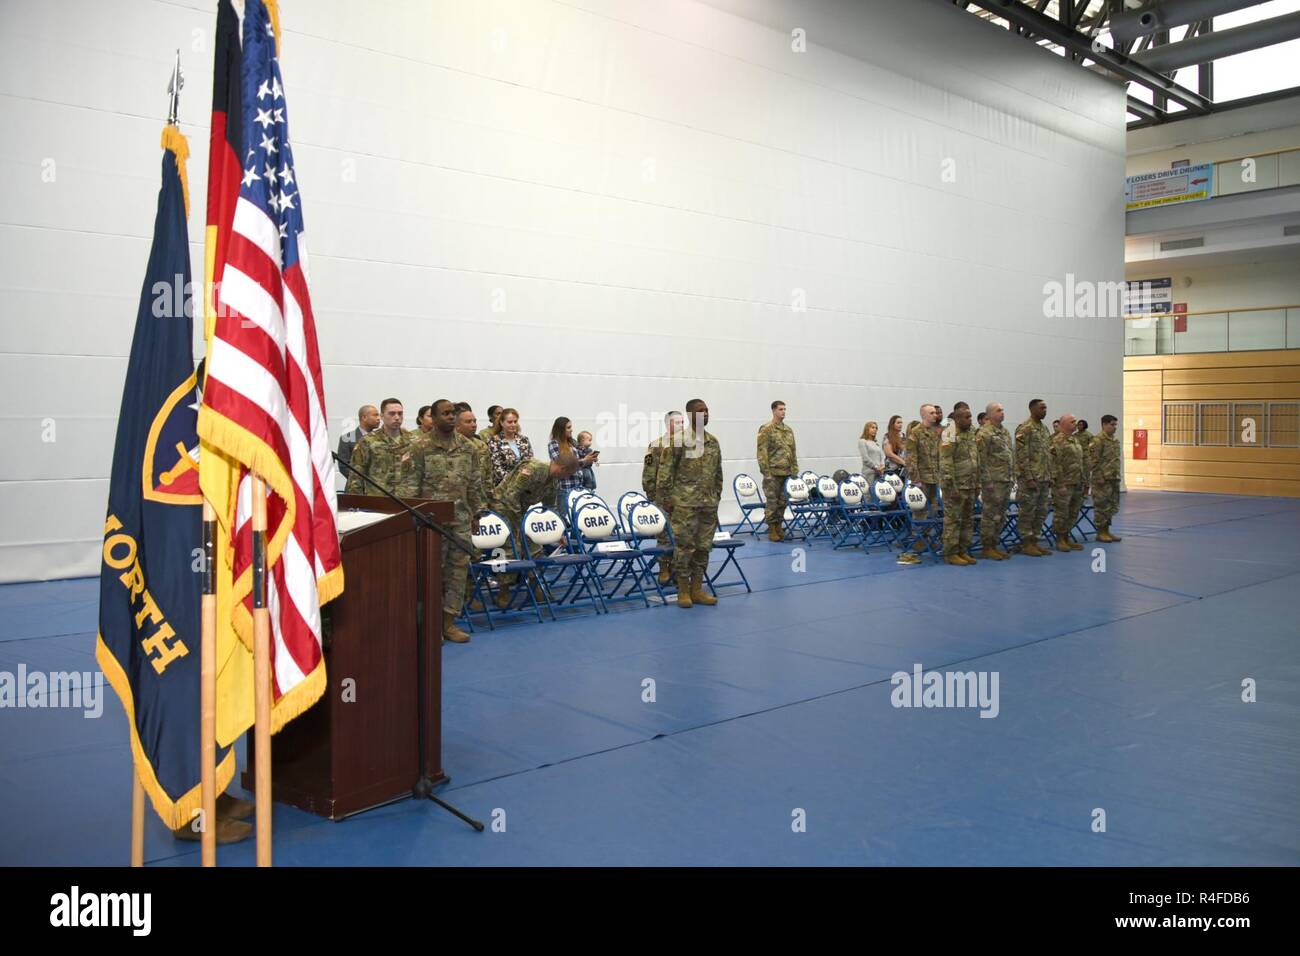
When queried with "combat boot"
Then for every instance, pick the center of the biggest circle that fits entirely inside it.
(698, 594)
(954, 559)
(993, 554)
(1105, 535)
(451, 631)
(684, 593)
(1073, 545)
(665, 573)
(774, 534)
(1063, 545)
(969, 558)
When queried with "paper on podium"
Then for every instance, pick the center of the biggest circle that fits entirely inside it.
(352, 520)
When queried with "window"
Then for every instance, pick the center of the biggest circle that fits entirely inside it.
(1180, 423)
(1214, 419)
(1239, 424)
(1284, 425)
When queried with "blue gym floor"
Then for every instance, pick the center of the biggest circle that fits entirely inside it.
(1119, 690)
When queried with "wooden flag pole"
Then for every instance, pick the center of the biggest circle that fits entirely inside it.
(208, 688)
(261, 675)
(137, 818)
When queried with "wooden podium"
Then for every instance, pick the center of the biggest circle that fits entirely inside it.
(359, 746)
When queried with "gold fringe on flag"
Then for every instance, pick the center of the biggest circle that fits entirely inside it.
(174, 813)
(174, 141)
(273, 8)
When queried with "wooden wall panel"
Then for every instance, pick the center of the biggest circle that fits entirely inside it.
(1263, 391)
(1152, 380)
(1223, 376)
(1171, 467)
(1225, 485)
(1282, 456)
(1253, 359)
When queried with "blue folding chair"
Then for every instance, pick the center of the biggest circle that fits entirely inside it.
(883, 520)
(497, 537)
(802, 516)
(1010, 538)
(618, 565)
(925, 532)
(567, 576)
(826, 493)
(723, 541)
(749, 498)
(646, 522)
(848, 525)
(1085, 525)
(575, 499)
(626, 502)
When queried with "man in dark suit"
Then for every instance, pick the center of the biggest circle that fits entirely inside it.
(368, 418)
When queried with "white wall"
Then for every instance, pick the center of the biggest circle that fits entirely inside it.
(646, 187)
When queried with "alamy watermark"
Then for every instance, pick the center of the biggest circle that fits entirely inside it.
(83, 690)
(922, 688)
(1083, 299)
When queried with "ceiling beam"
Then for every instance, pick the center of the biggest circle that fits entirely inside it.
(1114, 61)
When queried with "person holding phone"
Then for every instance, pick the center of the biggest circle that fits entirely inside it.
(562, 443)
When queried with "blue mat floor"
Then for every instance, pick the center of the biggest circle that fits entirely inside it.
(1118, 691)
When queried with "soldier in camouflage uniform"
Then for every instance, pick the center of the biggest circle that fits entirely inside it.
(994, 444)
(386, 455)
(777, 461)
(1084, 438)
(447, 469)
(529, 482)
(1067, 483)
(654, 473)
(960, 474)
(492, 413)
(694, 486)
(1104, 460)
(467, 426)
(923, 468)
(1033, 478)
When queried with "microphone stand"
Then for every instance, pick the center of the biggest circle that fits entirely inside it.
(423, 789)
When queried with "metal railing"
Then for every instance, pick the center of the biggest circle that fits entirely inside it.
(1232, 330)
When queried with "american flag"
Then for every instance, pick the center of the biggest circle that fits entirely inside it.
(264, 402)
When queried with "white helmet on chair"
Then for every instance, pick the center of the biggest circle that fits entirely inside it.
(915, 497)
